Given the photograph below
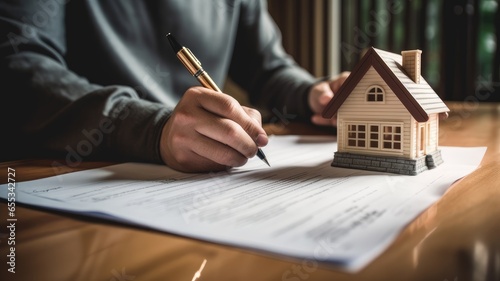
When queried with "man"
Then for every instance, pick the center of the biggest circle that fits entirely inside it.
(98, 78)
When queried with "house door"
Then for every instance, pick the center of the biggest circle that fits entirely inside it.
(421, 140)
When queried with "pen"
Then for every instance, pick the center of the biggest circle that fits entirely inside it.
(193, 65)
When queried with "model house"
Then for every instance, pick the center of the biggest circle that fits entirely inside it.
(387, 116)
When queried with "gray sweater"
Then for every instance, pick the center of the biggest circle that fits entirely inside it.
(86, 79)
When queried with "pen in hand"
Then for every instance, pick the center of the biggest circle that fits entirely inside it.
(193, 65)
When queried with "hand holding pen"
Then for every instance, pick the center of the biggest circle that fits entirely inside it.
(210, 131)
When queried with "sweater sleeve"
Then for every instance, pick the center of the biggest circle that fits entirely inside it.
(45, 107)
(261, 66)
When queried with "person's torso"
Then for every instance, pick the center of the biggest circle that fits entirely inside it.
(123, 42)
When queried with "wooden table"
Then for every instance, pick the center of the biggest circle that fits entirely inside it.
(458, 238)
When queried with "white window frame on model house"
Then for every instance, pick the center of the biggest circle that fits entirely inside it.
(375, 136)
(356, 135)
(375, 94)
(392, 137)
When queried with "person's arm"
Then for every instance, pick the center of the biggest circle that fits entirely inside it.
(261, 66)
(321, 94)
(48, 108)
(272, 78)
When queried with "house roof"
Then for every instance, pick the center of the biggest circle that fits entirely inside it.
(419, 99)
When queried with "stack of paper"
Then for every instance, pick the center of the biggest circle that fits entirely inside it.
(301, 207)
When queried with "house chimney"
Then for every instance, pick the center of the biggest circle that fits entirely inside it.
(411, 64)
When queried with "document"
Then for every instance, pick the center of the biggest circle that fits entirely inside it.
(301, 207)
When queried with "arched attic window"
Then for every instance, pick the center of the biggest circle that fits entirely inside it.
(375, 93)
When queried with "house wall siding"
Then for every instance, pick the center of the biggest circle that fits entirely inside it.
(413, 137)
(433, 133)
(432, 136)
(356, 108)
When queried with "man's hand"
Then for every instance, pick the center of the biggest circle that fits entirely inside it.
(210, 131)
(321, 94)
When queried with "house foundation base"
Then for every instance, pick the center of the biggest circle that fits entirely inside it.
(389, 164)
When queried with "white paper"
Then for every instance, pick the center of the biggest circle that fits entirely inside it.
(301, 207)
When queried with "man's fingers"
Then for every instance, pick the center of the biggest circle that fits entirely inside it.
(262, 139)
(198, 163)
(319, 120)
(227, 107)
(254, 113)
(194, 152)
(219, 153)
(210, 131)
(325, 98)
(338, 80)
(319, 96)
(226, 132)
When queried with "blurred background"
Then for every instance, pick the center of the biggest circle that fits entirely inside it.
(460, 39)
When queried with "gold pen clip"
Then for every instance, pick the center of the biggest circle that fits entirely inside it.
(194, 57)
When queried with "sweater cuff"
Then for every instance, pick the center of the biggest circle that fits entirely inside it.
(296, 93)
(139, 125)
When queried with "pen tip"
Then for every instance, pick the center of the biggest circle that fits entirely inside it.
(173, 43)
(262, 156)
